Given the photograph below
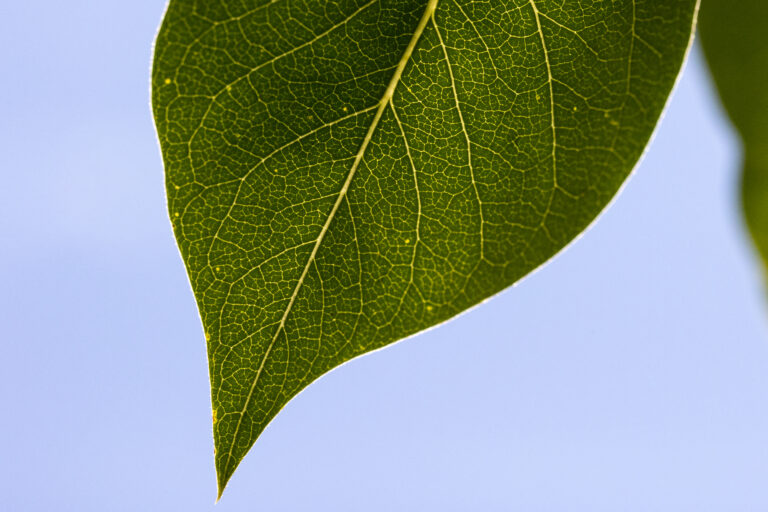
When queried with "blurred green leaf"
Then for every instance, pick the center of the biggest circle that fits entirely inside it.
(734, 35)
(344, 174)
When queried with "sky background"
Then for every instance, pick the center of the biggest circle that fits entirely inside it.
(631, 373)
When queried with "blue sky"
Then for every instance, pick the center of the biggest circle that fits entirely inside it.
(631, 373)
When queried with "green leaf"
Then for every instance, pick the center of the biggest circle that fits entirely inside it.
(735, 40)
(344, 174)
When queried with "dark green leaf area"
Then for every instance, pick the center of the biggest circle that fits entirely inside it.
(343, 174)
(735, 40)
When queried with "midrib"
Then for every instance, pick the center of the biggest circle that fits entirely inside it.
(388, 93)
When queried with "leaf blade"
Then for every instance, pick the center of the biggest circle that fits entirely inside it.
(479, 145)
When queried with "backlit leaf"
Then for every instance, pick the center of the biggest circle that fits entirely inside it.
(342, 174)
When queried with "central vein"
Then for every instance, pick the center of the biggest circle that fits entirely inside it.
(383, 103)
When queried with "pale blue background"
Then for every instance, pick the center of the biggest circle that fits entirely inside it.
(630, 374)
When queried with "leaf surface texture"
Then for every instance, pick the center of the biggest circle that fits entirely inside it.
(344, 174)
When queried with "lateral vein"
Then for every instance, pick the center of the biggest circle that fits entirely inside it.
(550, 79)
(466, 137)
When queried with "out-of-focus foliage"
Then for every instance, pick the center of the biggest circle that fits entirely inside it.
(734, 34)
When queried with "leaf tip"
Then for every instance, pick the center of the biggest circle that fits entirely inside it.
(224, 471)
(222, 477)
